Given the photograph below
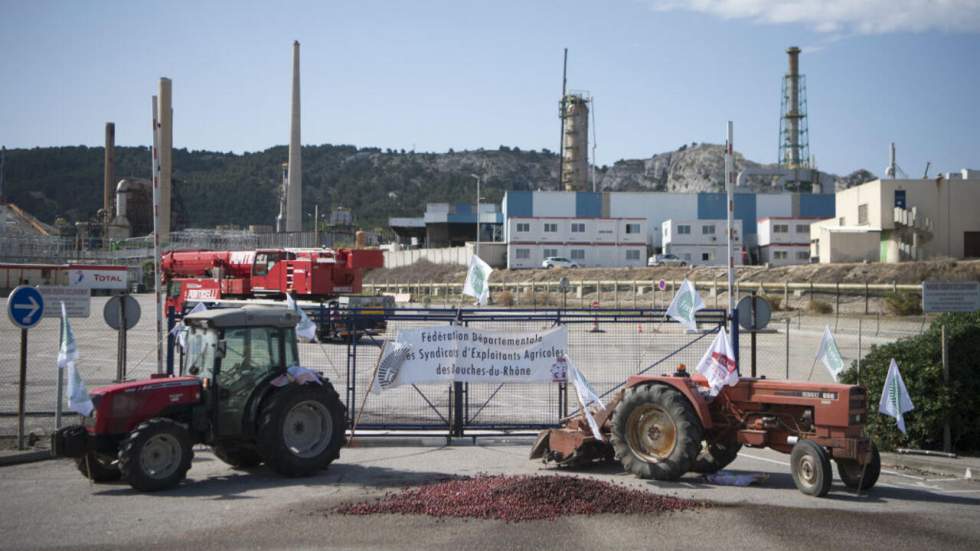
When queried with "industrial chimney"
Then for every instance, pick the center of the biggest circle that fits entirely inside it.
(575, 156)
(294, 187)
(109, 172)
(165, 155)
(793, 133)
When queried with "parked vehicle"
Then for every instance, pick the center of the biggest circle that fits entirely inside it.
(665, 260)
(558, 262)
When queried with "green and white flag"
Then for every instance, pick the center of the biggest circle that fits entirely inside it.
(895, 400)
(829, 354)
(685, 305)
(305, 327)
(477, 283)
(78, 398)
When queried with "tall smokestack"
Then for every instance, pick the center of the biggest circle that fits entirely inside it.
(165, 153)
(294, 187)
(109, 172)
(793, 116)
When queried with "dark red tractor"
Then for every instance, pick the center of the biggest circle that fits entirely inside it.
(662, 427)
(231, 397)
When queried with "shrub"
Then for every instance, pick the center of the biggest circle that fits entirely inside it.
(903, 303)
(504, 298)
(539, 298)
(817, 306)
(919, 359)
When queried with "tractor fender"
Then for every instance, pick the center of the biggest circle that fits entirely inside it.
(687, 386)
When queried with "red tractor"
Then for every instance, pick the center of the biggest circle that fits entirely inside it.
(662, 427)
(231, 397)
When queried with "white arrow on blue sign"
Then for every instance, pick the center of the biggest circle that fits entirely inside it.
(25, 306)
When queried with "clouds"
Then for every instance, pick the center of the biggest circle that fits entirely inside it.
(843, 16)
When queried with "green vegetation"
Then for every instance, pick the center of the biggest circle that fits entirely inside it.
(212, 188)
(903, 303)
(920, 362)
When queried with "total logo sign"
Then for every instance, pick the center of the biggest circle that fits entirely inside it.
(97, 278)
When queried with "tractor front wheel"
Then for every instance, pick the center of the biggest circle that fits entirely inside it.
(301, 429)
(156, 455)
(850, 471)
(98, 467)
(655, 432)
(810, 464)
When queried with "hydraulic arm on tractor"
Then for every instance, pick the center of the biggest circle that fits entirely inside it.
(662, 427)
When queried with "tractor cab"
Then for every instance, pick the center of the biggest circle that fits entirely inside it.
(224, 397)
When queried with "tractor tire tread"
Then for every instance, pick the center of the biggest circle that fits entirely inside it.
(269, 430)
(129, 467)
(689, 432)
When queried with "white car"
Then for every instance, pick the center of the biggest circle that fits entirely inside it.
(665, 260)
(558, 262)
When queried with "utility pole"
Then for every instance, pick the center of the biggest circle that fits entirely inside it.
(477, 178)
(730, 193)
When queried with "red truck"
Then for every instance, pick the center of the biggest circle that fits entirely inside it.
(318, 275)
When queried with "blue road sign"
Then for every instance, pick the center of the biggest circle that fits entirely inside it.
(25, 306)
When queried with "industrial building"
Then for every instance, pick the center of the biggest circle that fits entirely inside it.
(448, 225)
(784, 240)
(702, 242)
(587, 242)
(657, 207)
(894, 220)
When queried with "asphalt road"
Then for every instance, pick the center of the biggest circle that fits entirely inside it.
(49, 505)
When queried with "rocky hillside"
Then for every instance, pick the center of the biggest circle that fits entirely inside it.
(213, 188)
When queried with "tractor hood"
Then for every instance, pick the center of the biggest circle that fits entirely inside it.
(145, 384)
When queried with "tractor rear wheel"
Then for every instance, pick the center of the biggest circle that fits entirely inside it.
(717, 454)
(301, 429)
(156, 455)
(98, 467)
(810, 464)
(655, 432)
(238, 457)
(849, 471)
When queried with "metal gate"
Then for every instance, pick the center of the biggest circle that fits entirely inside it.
(607, 346)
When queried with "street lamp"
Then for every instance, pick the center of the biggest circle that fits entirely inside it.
(477, 178)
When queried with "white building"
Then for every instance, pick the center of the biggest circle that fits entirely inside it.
(701, 242)
(894, 220)
(588, 242)
(784, 240)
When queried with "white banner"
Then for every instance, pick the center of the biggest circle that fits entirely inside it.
(685, 306)
(455, 353)
(718, 364)
(477, 280)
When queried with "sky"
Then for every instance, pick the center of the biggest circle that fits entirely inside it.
(462, 74)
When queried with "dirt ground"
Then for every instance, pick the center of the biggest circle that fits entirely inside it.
(907, 272)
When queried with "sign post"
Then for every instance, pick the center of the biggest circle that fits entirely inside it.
(949, 296)
(121, 313)
(25, 307)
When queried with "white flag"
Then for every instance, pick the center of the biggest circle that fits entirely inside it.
(477, 283)
(829, 354)
(305, 328)
(895, 399)
(78, 398)
(586, 397)
(180, 330)
(685, 305)
(718, 363)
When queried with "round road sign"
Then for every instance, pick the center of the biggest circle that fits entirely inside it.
(763, 313)
(662, 285)
(563, 285)
(111, 311)
(25, 306)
